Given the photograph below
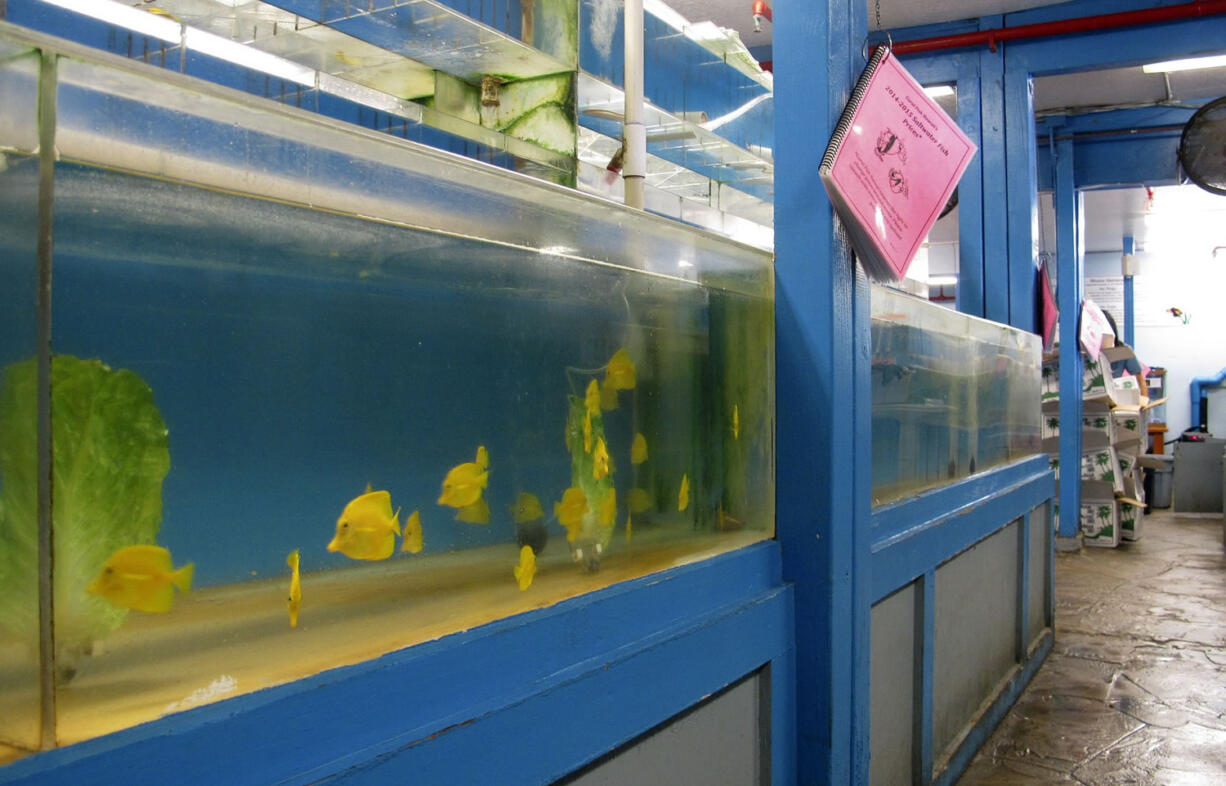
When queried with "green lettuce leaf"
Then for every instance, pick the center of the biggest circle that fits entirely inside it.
(110, 456)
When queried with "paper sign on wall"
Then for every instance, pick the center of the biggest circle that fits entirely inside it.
(1094, 326)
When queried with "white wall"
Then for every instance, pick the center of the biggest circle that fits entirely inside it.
(1194, 282)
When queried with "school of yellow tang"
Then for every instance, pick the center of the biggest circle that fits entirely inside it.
(142, 577)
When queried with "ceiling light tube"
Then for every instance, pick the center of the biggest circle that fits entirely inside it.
(1187, 64)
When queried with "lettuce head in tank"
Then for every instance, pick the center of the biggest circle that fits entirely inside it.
(110, 456)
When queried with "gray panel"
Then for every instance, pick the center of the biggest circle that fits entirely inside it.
(1198, 476)
(723, 740)
(975, 631)
(1036, 597)
(892, 689)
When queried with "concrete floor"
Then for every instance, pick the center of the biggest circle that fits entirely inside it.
(1134, 691)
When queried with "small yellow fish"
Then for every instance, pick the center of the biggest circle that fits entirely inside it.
(639, 501)
(591, 399)
(736, 423)
(620, 373)
(464, 482)
(476, 513)
(570, 511)
(629, 529)
(683, 496)
(526, 569)
(600, 460)
(638, 449)
(587, 432)
(346, 59)
(412, 542)
(294, 601)
(608, 396)
(141, 578)
(367, 527)
(526, 508)
(608, 509)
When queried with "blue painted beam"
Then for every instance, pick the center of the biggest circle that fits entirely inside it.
(1022, 186)
(1129, 317)
(925, 624)
(1068, 299)
(914, 535)
(823, 404)
(971, 242)
(993, 154)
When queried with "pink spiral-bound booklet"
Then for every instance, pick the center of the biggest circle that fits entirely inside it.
(893, 162)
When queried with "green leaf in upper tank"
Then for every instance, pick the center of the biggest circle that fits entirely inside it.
(110, 455)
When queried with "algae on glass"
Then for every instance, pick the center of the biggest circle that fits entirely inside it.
(110, 455)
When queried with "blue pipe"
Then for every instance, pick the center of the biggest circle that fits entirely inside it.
(1198, 395)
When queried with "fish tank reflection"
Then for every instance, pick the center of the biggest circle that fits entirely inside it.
(317, 394)
(952, 394)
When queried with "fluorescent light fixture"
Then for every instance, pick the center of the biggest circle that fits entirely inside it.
(556, 251)
(939, 91)
(1187, 64)
(942, 281)
(249, 57)
(124, 16)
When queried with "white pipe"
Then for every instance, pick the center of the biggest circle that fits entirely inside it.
(634, 166)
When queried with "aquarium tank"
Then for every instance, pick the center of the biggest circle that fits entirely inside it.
(280, 394)
(953, 395)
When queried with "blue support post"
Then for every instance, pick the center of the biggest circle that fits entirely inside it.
(823, 487)
(992, 154)
(1068, 297)
(971, 243)
(1022, 189)
(1130, 332)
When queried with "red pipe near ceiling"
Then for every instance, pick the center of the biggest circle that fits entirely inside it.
(763, 8)
(1081, 24)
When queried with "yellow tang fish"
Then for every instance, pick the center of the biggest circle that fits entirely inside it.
(464, 482)
(629, 529)
(639, 501)
(608, 396)
(570, 511)
(476, 513)
(526, 569)
(683, 496)
(638, 449)
(527, 508)
(600, 460)
(141, 578)
(412, 542)
(591, 399)
(736, 423)
(367, 527)
(620, 373)
(608, 509)
(294, 601)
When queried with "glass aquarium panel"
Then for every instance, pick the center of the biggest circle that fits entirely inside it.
(19, 620)
(320, 394)
(952, 394)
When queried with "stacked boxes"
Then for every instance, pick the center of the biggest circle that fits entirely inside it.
(1112, 436)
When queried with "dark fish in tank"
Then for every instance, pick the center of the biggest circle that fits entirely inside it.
(141, 578)
(367, 527)
(532, 533)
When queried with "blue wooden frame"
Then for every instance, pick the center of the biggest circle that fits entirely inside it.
(822, 317)
(913, 537)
